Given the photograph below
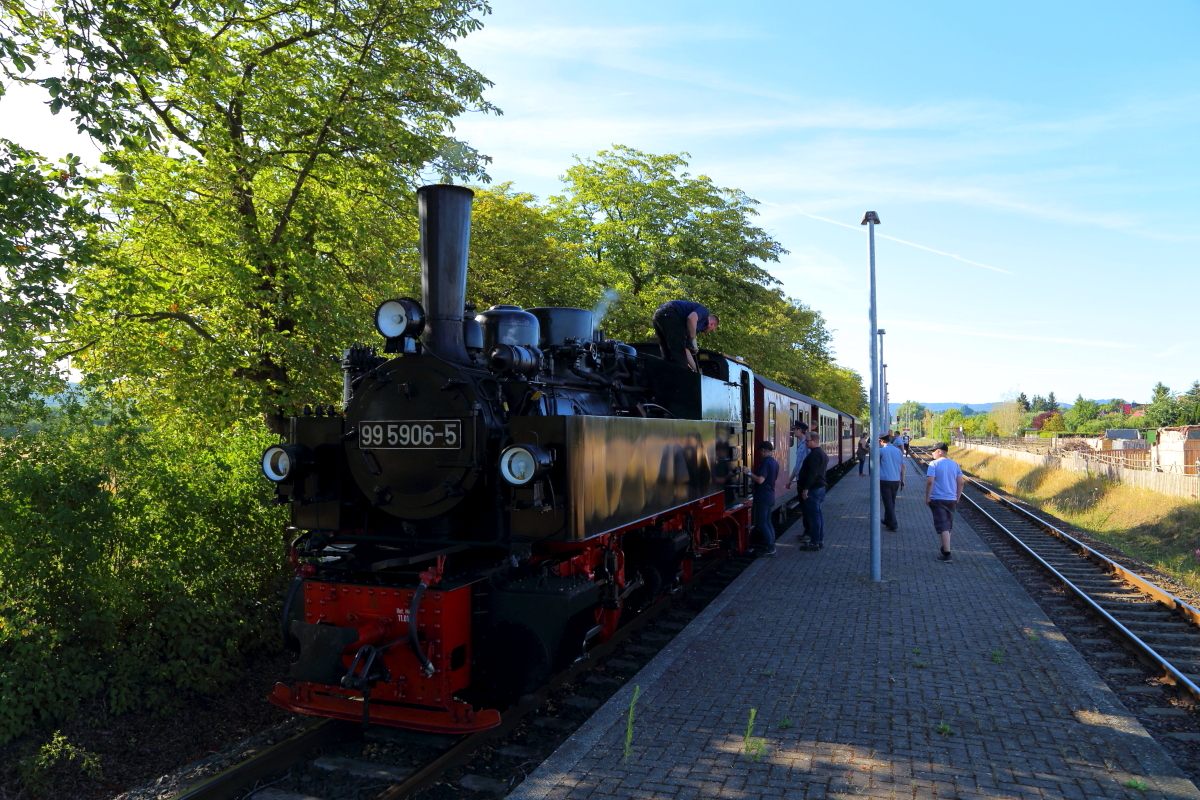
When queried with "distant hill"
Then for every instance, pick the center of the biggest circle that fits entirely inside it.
(978, 407)
(948, 406)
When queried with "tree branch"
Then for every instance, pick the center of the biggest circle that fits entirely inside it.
(159, 316)
(302, 178)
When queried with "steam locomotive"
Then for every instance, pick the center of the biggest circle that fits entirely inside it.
(497, 493)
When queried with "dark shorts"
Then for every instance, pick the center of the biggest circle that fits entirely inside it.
(671, 330)
(943, 514)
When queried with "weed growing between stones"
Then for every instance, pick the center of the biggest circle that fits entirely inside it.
(784, 724)
(998, 656)
(637, 690)
(1134, 783)
(944, 729)
(754, 747)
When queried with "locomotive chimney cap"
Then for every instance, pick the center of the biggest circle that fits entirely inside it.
(870, 216)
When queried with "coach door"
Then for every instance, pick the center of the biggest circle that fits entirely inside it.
(747, 430)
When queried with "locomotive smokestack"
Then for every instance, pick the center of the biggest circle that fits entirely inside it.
(445, 213)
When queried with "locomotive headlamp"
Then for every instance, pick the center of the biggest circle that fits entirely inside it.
(521, 463)
(282, 463)
(401, 317)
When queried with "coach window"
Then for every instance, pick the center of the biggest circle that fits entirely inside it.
(771, 425)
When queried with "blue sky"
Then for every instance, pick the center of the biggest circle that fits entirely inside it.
(1050, 147)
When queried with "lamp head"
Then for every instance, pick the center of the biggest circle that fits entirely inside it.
(870, 216)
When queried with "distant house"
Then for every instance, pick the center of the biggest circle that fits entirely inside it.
(1133, 410)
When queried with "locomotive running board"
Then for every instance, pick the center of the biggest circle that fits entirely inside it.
(457, 718)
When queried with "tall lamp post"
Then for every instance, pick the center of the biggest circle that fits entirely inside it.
(885, 409)
(871, 219)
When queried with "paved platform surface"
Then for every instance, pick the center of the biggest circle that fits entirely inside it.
(931, 684)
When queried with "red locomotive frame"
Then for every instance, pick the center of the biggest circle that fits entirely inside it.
(410, 699)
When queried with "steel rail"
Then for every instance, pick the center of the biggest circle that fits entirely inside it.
(279, 756)
(1172, 673)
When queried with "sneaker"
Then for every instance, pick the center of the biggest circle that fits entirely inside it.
(945, 557)
(810, 546)
(770, 552)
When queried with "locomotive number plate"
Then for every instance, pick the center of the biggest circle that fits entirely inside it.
(410, 435)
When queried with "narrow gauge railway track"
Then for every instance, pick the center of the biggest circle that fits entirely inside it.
(1162, 630)
(428, 757)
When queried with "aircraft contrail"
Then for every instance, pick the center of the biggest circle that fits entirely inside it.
(912, 244)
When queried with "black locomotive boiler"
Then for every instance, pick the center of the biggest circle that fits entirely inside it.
(497, 492)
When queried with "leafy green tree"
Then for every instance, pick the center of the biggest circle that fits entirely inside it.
(1051, 402)
(1166, 412)
(1114, 405)
(45, 219)
(912, 414)
(264, 166)
(1159, 393)
(654, 231)
(1080, 412)
(1038, 404)
(1193, 393)
(518, 256)
(1023, 402)
(1054, 422)
(650, 232)
(1102, 424)
(980, 425)
(945, 424)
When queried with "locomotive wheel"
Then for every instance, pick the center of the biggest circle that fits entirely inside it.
(512, 661)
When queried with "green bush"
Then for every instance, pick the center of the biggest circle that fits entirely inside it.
(138, 561)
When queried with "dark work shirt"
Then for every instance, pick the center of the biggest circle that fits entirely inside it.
(812, 470)
(765, 492)
(684, 308)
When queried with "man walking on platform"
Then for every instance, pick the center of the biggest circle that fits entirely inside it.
(764, 496)
(943, 489)
(676, 323)
(810, 478)
(891, 479)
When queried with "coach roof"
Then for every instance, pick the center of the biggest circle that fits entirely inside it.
(779, 387)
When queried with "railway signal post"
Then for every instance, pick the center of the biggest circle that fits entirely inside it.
(871, 219)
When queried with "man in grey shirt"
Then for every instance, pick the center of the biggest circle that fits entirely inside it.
(891, 479)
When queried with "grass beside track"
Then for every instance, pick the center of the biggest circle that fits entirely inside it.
(1159, 529)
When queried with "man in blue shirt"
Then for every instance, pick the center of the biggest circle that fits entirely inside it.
(943, 489)
(764, 496)
(676, 323)
(891, 479)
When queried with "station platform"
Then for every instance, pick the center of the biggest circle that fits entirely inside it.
(931, 684)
